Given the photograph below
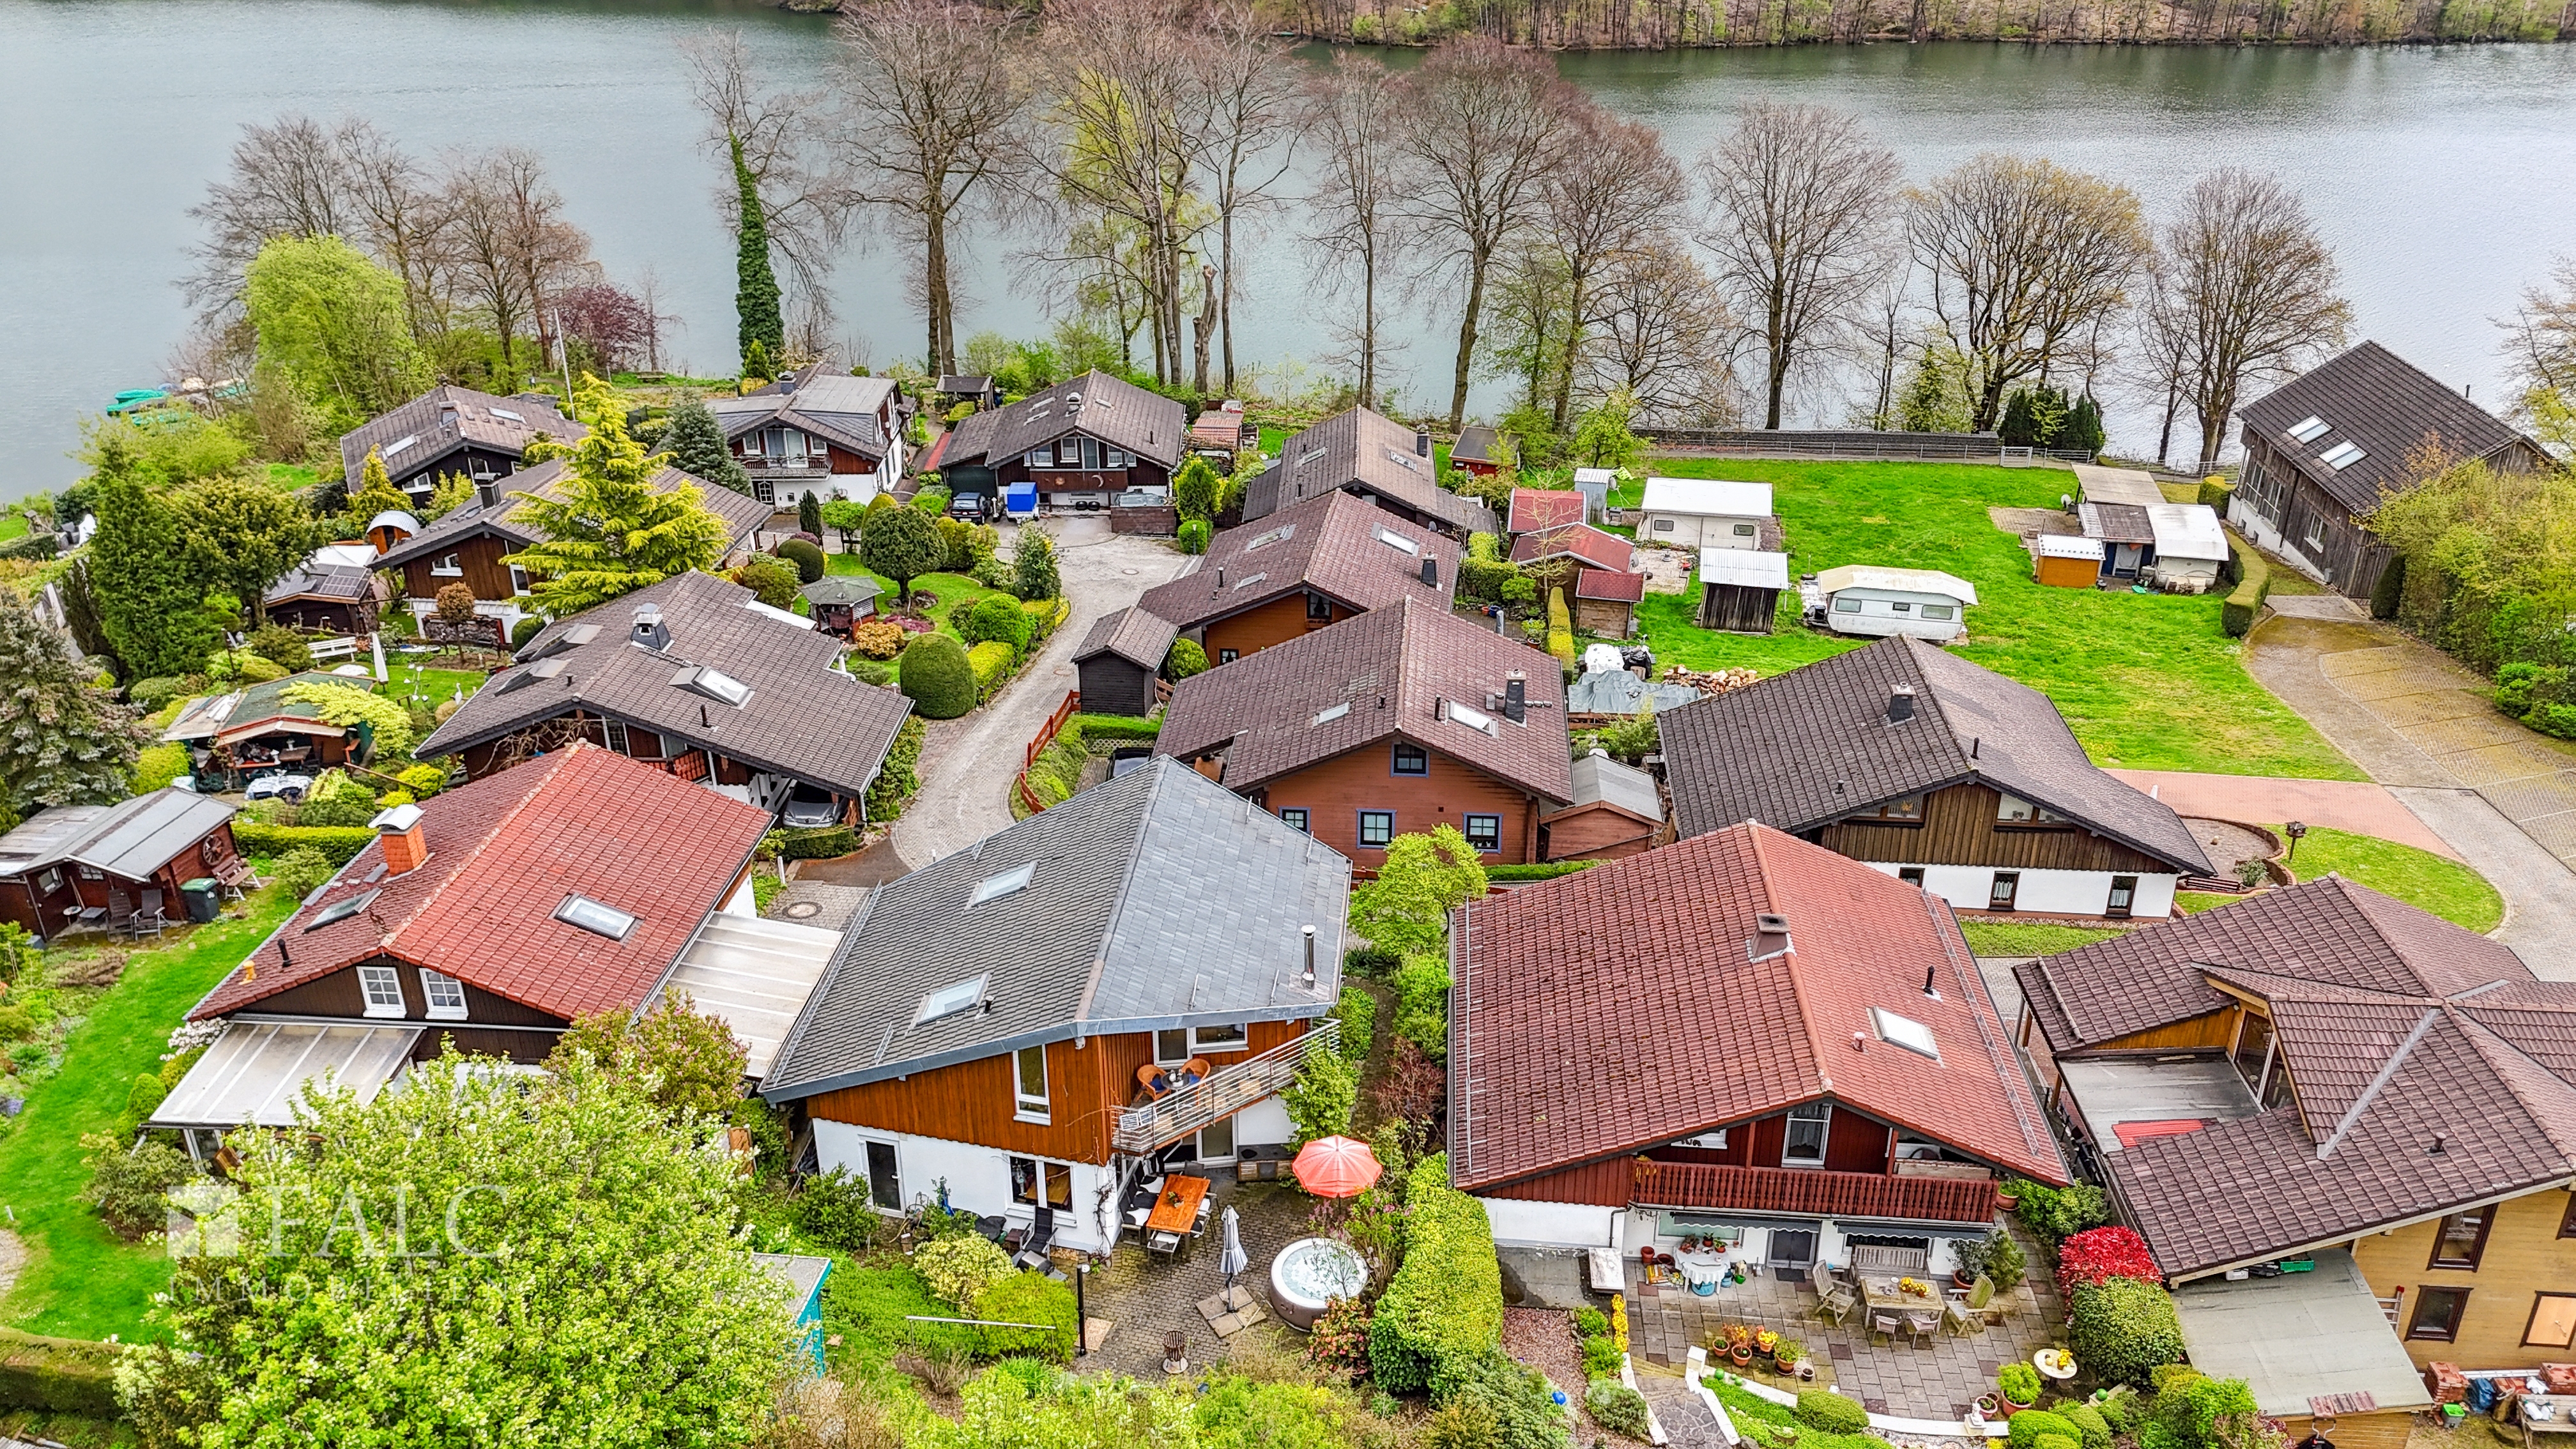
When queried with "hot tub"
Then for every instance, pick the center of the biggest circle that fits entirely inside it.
(1309, 1274)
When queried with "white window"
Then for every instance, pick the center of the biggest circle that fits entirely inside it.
(518, 579)
(382, 989)
(1219, 1038)
(444, 993)
(1744, 530)
(595, 917)
(1804, 1145)
(950, 1000)
(2313, 532)
(1029, 1083)
(1663, 525)
(447, 568)
(2014, 810)
(1009, 882)
(765, 491)
(1846, 606)
(613, 732)
(1939, 611)
(1904, 1031)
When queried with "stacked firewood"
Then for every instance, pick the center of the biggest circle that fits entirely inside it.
(1718, 682)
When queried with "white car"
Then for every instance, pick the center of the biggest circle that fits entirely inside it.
(289, 788)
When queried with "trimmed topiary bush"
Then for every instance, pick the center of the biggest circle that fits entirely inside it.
(807, 558)
(1601, 1356)
(991, 665)
(2123, 1329)
(1193, 536)
(1616, 1407)
(1445, 1305)
(525, 630)
(935, 676)
(997, 617)
(1186, 659)
(1831, 1412)
(2027, 1426)
(2253, 584)
(2089, 1421)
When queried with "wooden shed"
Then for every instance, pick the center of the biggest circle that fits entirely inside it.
(1739, 589)
(1605, 601)
(1477, 451)
(1120, 659)
(1616, 811)
(2067, 560)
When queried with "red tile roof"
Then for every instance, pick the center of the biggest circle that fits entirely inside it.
(1609, 586)
(1537, 508)
(1587, 545)
(504, 852)
(1551, 1063)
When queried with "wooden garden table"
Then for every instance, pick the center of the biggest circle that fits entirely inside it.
(1177, 1209)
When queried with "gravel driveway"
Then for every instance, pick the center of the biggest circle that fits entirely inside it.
(968, 764)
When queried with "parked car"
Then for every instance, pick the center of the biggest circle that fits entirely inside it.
(289, 788)
(808, 807)
(967, 505)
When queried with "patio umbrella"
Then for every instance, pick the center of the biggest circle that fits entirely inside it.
(1234, 1260)
(1335, 1167)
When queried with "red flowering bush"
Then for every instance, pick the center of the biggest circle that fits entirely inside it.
(1340, 1341)
(2099, 1255)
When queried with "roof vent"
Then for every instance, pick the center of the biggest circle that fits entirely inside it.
(487, 494)
(1900, 704)
(1770, 937)
(649, 628)
(567, 641)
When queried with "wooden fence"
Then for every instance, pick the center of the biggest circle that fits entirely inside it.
(1070, 706)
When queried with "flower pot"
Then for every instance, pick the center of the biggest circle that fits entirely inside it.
(1989, 1405)
(2007, 1201)
(1784, 1364)
(2011, 1408)
(1962, 1280)
(1742, 1354)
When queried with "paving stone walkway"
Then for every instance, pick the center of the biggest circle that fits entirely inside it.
(1145, 1297)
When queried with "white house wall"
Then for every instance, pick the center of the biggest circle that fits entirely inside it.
(978, 1178)
(2042, 892)
(1264, 1124)
(1519, 1224)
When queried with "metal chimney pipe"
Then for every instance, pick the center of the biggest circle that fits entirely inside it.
(1309, 976)
(1422, 442)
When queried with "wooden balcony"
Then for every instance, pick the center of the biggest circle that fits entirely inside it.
(1221, 1094)
(1699, 1185)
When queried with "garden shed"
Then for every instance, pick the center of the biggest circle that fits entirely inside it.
(1739, 589)
(2066, 560)
(803, 1276)
(1119, 659)
(1616, 811)
(1605, 601)
(1595, 484)
(1870, 599)
(1704, 513)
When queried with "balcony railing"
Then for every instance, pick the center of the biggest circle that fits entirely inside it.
(1221, 1094)
(1824, 1194)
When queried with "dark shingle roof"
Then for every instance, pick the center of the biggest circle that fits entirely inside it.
(1132, 634)
(1111, 409)
(434, 434)
(804, 717)
(741, 513)
(837, 406)
(1545, 1066)
(1475, 444)
(1363, 450)
(1155, 900)
(131, 838)
(1335, 545)
(1806, 748)
(2374, 399)
(1389, 671)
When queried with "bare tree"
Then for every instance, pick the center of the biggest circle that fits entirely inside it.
(2243, 290)
(1249, 82)
(401, 219)
(2541, 336)
(1350, 116)
(2025, 258)
(1799, 197)
(1612, 192)
(510, 248)
(1667, 336)
(784, 146)
(1483, 125)
(290, 179)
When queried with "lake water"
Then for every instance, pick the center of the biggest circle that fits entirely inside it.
(2445, 177)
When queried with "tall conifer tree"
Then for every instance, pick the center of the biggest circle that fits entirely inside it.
(755, 299)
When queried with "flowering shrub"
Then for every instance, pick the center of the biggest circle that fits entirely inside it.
(2098, 1255)
(1340, 1340)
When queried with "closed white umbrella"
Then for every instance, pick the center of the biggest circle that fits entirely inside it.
(1234, 1260)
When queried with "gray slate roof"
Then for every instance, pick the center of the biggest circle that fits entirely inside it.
(1803, 749)
(1601, 780)
(740, 512)
(1115, 411)
(804, 718)
(131, 838)
(2384, 405)
(1157, 900)
(837, 406)
(1132, 634)
(851, 589)
(436, 435)
(1366, 452)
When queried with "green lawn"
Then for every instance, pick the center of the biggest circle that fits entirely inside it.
(81, 1281)
(292, 477)
(2418, 877)
(2146, 681)
(435, 685)
(13, 523)
(954, 591)
(2028, 938)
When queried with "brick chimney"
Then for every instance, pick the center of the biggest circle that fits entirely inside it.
(398, 836)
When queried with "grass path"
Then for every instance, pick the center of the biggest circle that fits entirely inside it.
(2146, 681)
(81, 1281)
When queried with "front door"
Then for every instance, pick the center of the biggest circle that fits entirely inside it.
(1793, 1250)
(2124, 561)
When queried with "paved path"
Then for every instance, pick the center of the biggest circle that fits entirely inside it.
(2539, 893)
(2358, 806)
(969, 763)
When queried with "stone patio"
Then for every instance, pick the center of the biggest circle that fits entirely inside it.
(1144, 1297)
(1936, 1381)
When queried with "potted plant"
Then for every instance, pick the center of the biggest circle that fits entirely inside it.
(1785, 1353)
(1765, 1339)
(1739, 1345)
(2006, 1263)
(1968, 1260)
(2020, 1385)
(1988, 1405)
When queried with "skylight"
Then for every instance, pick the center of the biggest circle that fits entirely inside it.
(1474, 719)
(506, 413)
(1009, 882)
(1309, 456)
(715, 684)
(595, 918)
(950, 1000)
(1398, 542)
(393, 448)
(1904, 1031)
(1403, 460)
(1281, 534)
(341, 910)
(2311, 430)
(1332, 712)
(1249, 580)
(2341, 456)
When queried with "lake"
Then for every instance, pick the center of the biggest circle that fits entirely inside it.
(2445, 177)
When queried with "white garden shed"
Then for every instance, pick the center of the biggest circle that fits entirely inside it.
(1703, 513)
(2191, 547)
(1868, 599)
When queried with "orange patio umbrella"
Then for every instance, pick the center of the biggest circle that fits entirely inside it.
(1336, 1167)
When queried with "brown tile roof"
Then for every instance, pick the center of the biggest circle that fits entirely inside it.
(1609, 586)
(1537, 508)
(741, 513)
(1547, 1067)
(1367, 451)
(1475, 445)
(424, 420)
(504, 852)
(1389, 671)
(1335, 545)
(1132, 634)
(1587, 545)
(1806, 748)
(804, 718)
(1111, 409)
(2377, 401)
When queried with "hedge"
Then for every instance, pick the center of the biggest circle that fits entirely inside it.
(1055, 776)
(1824, 1409)
(936, 677)
(2387, 594)
(1445, 1305)
(339, 844)
(822, 842)
(1357, 1012)
(1117, 727)
(2123, 1330)
(158, 765)
(2215, 492)
(1046, 615)
(2253, 582)
(997, 618)
(1027, 1297)
(61, 1375)
(2088, 1419)
(2025, 1427)
(990, 662)
(1548, 870)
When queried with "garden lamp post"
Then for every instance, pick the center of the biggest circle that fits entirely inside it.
(1081, 1315)
(2294, 830)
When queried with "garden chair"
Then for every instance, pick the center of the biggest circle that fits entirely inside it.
(1886, 1323)
(1155, 1081)
(1920, 1327)
(1041, 1236)
(1957, 1320)
(1979, 1300)
(1838, 1301)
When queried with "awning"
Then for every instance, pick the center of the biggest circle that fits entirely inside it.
(256, 1071)
(2300, 1336)
(755, 974)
